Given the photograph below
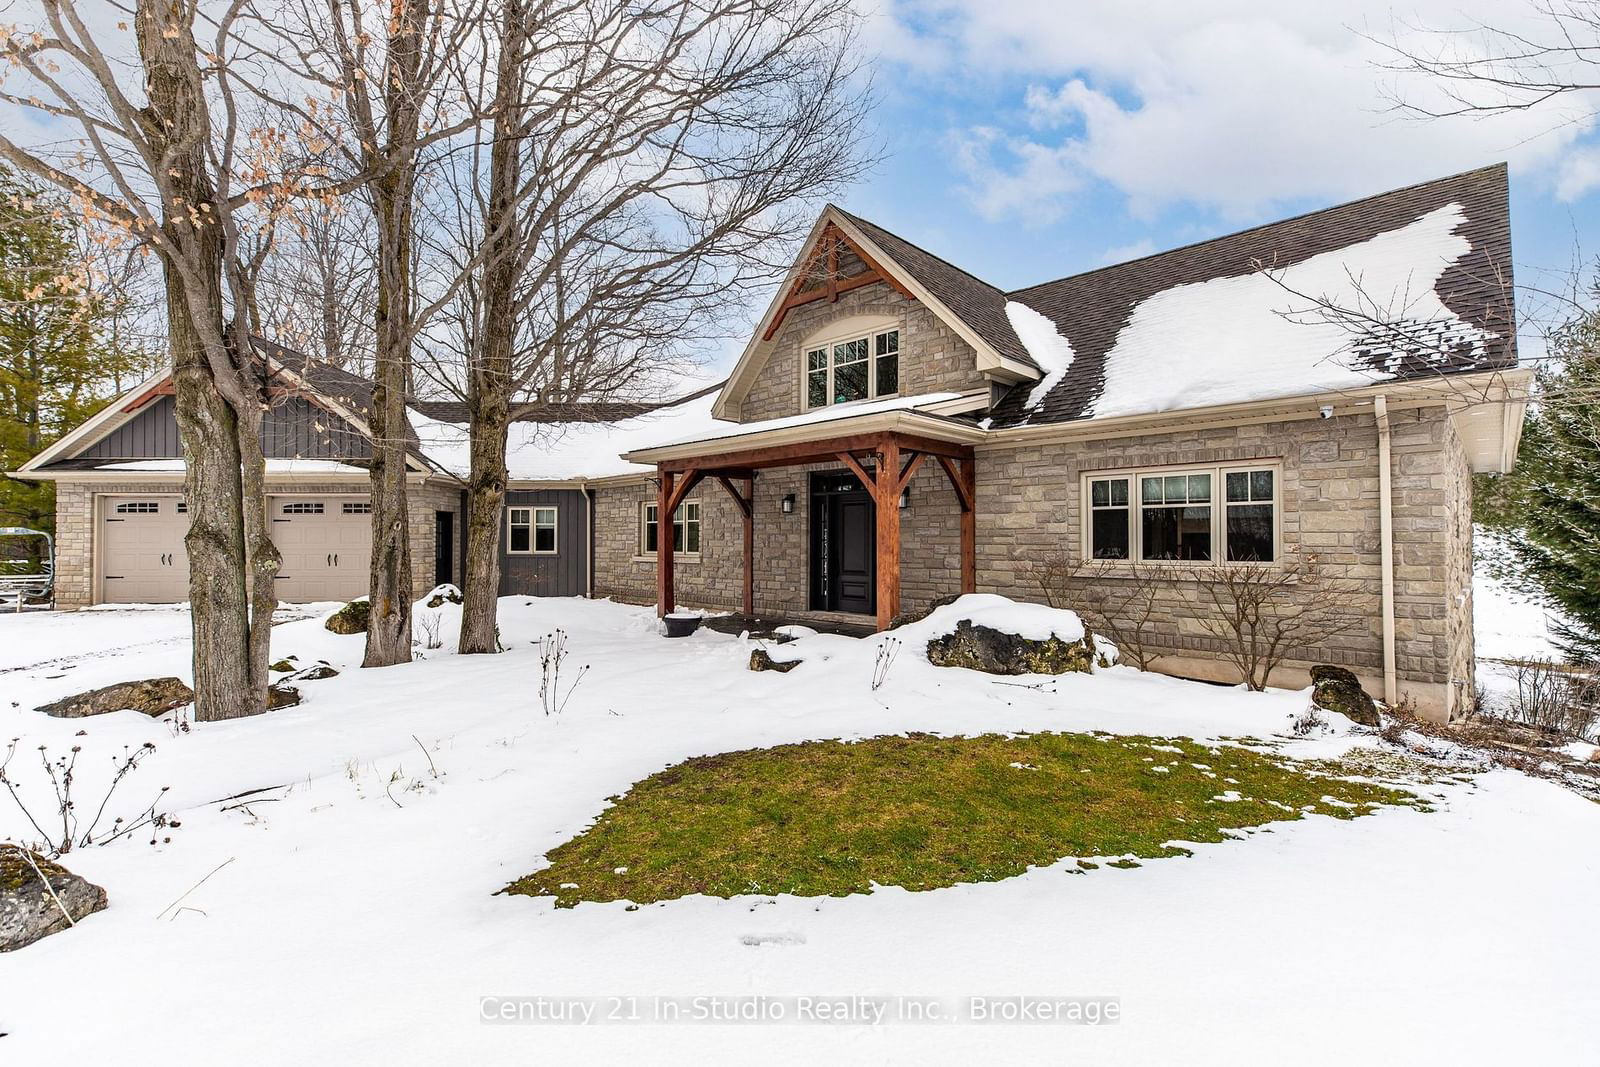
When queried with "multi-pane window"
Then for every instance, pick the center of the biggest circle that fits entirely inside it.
(139, 507)
(855, 369)
(1108, 521)
(1251, 498)
(1161, 516)
(1175, 516)
(530, 531)
(303, 507)
(685, 528)
(358, 507)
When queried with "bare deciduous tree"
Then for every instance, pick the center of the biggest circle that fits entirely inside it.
(646, 165)
(170, 159)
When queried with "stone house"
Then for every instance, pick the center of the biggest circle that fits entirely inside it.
(897, 430)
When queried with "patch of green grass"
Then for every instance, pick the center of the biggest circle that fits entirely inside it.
(832, 818)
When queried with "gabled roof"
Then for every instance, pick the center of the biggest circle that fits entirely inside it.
(1288, 308)
(976, 302)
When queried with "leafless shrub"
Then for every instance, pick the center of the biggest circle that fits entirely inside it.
(70, 832)
(1307, 723)
(552, 654)
(1118, 597)
(429, 625)
(885, 660)
(1552, 697)
(1265, 612)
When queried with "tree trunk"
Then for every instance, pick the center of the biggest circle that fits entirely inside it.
(230, 654)
(389, 581)
(393, 195)
(489, 380)
(486, 494)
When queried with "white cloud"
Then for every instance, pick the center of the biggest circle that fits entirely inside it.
(1231, 105)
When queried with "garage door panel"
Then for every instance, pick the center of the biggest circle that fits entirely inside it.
(325, 545)
(142, 555)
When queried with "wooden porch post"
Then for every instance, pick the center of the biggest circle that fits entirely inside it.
(969, 525)
(664, 592)
(886, 496)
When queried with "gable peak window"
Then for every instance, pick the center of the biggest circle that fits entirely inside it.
(851, 369)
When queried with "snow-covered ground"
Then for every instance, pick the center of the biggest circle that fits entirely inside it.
(348, 914)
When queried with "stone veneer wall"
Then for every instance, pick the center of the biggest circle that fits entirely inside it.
(933, 358)
(1458, 577)
(75, 527)
(1029, 504)
(930, 544)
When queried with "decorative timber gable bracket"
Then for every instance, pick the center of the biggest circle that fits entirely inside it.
(820, 278)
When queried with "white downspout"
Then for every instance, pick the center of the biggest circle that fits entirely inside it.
(1380, 408)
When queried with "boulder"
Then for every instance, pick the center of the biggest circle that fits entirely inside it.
(443, 594)
(316, 674)
(983, 648)
(760, 661)
(350, 619)
(152, 696)
(1338, 690)
(906, 618)
(282, 696)
(28, 911)
(283, 666)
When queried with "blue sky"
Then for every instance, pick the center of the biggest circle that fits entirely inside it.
(1030, 139)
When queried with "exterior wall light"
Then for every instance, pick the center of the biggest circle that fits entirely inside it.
(788, 504)
(905, 499)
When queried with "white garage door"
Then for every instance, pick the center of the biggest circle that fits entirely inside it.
(325, 542)
(141, 549)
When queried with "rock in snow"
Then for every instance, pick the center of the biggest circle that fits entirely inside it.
(1337, 689)
(152, 696)
(350, 619)
(983, 648)
(760, 661)
(28, 909)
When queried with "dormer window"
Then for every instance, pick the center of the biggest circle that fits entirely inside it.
(857, 368)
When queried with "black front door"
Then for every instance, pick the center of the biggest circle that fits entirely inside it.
(843, 545)
(444, 547)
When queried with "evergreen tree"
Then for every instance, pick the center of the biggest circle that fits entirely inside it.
(1548, 508)
(55, 369)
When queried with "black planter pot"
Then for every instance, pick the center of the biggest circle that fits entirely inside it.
(682, 625)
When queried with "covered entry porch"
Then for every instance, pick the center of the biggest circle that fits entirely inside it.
(854, 508)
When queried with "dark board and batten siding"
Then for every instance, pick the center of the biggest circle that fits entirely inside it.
(293, 428)
(566, 572)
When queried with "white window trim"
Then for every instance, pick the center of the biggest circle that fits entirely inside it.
(512, 523)
(555, 531)
(1218, 505)
(641, 555)
(826, 343)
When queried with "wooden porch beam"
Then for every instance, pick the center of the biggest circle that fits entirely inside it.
(886, 496)
(960, 480)
(868, 480)
(691, 478)
(818, 451)
(664, 587)
(910, 471)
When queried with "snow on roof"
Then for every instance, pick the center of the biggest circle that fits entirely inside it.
(724, 430)
(1261, 335)
(543, 452)
(1052, 352)
(274, 466)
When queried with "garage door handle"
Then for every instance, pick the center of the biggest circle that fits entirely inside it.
(336, 559)
(328, 559)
